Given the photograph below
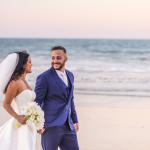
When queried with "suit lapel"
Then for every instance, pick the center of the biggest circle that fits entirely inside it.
(58, 81)
(71, 81)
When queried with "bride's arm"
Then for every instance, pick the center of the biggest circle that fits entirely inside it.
(12, 91)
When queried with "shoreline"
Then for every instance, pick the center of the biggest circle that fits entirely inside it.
(113, 94)
(110, 101)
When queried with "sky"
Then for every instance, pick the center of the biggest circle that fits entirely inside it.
(120, 19)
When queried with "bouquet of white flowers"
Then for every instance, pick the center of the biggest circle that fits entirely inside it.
(34, 114)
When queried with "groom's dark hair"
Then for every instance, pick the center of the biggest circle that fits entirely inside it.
(59, 47)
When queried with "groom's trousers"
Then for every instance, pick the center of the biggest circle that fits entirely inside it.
(59, 136)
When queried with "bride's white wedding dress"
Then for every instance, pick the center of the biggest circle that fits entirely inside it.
(25, 137)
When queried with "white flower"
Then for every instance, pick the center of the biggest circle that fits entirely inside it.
(37, 112)
(32, 117)
(41, 113)
(34, 110)
(23, 110)
(29, 122)
(34, 121)
(39, 126)
(39, 108)
(37, 123)
(42, 120)
(28, 111)
(39, 118)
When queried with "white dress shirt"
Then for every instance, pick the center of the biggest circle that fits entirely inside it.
(59, 73)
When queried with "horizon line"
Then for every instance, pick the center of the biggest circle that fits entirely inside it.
(75, 38)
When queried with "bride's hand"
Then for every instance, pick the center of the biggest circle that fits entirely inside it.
(21, 119)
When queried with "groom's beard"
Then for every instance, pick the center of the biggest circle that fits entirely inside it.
(60, 67)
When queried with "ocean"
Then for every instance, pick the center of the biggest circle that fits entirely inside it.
(100, 66)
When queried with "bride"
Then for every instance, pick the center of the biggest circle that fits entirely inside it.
(13, 70)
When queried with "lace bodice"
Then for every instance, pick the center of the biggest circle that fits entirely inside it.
(22, 100)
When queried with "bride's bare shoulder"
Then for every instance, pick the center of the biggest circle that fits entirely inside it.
(13, 88)
(15, 83)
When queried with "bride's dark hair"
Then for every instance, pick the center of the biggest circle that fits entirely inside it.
(23, 58)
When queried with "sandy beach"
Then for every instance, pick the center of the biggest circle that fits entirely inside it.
(114, 129)
(106, 128)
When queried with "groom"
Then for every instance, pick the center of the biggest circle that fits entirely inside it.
(54, 93)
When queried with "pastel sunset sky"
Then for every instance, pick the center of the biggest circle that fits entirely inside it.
(75, 19)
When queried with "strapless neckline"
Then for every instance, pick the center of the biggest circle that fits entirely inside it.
(23, 99)
(24, 91)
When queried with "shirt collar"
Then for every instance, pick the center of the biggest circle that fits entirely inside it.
(59, 72)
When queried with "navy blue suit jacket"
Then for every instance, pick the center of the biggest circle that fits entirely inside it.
(52, 97)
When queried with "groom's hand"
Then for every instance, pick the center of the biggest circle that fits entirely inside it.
(76, 126)
(41, 131)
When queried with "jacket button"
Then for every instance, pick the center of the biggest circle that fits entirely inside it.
(66, 109)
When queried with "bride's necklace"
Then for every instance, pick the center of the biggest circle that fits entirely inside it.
(24, 81)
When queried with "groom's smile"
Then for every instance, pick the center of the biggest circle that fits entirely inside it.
(56, 66)
(58, 60)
